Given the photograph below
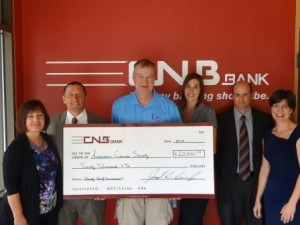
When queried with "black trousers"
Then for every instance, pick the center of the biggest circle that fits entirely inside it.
(192, 211)
(50, 218)
(240, 206)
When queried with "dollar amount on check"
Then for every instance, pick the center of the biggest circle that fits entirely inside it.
(161, 160)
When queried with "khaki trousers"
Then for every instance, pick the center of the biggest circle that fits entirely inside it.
(140, 211)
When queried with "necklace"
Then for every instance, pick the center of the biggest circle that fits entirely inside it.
(38, 148)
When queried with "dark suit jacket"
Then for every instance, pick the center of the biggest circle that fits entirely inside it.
(227, 150)
(57, 122)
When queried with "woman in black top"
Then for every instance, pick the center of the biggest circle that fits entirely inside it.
(31, 171)
(193, 110)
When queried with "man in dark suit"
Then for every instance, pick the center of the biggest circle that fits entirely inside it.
(91, 212)
(236, 179)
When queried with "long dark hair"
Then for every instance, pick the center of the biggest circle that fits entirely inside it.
(189, 77)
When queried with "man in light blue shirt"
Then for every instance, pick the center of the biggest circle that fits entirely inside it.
(144, 105)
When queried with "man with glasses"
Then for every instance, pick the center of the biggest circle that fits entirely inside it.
(144, 105)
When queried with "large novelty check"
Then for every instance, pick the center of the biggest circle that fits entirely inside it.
(110, 160)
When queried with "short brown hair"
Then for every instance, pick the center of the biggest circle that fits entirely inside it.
(144, 63)
(74, 83)
(282, 94)
(26, 108)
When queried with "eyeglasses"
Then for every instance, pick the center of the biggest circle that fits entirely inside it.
(142, 77)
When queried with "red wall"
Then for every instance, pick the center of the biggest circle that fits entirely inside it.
(60, 41)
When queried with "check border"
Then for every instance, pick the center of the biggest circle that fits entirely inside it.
(87, 195)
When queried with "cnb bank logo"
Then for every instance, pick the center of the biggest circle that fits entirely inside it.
(94, 140)
(208, 69)
(203, 67)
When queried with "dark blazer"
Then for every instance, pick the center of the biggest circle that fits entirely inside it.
(21, 176)
(57, 122)
(227, 150)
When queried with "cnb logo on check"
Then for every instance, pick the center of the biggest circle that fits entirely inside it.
(94, 140)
